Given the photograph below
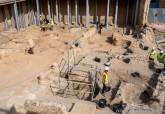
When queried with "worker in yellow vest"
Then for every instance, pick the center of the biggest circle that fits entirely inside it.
(42, 17)
(105, 79)
(152, 54)
(161, 57)
(51, 24)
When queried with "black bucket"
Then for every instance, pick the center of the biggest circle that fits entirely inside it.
(102, 103)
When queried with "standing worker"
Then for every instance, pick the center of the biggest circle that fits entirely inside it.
(105, 79)
(152, 54)
(161, 57)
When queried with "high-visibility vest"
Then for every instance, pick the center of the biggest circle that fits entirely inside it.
(105, 78)
(152, 54)
(52, 22)
(160, 57)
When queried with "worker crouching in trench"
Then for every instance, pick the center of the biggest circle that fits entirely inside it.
(46, 24)
(105, 80)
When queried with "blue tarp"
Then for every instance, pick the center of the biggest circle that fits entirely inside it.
(156, 15)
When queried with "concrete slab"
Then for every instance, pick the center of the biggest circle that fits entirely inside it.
(83, 108)
(104, 111)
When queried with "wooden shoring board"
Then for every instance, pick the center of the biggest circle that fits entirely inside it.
(12, 16)
(77, 75)
(79, 82)
(25, 15)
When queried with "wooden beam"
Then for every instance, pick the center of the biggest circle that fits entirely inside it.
(68, 10)
(49, 15)
(136, 12)
(12, 15)
(108, 4)
(16, 16)
(5, 17)
(24, 6)
(51, 10)
(76, 13)
(116, 12)
(23, 14)
(96, 12)
(87, 14)
(127, 13)
(59, 11)
(57, 15)
(38, 12)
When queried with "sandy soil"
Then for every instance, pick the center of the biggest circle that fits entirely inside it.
(19, 69)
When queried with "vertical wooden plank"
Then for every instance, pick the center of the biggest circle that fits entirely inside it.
(16, 16)
(5, 17)
(59, 11)
(57, 14)
(78, 8)
(1, 18)
(96, 11)
(28, 6)
(68, 11)
(51, 9)
(33, 16)
(136, 12)
(38, 12)
(12, 16)
(116, 13)
(19, 14)
(49, 15)
(24, 5)
(127, 13)
(107, 16)
(76, 13)
(23, 14)
(87, 14)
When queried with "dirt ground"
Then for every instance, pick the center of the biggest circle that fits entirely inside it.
(19, 69)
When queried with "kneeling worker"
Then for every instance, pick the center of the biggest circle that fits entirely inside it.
(105, 79)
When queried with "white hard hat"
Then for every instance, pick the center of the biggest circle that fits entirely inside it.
(106, 68)
(153, 47)
(161, 51)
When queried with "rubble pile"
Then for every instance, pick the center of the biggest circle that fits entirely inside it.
(160, 87)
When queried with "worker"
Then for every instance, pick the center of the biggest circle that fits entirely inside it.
(45, 24)
(152, 54)
(100, 28)
(42, 17)
(161, 57)
(105, 78)
(51, 24)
